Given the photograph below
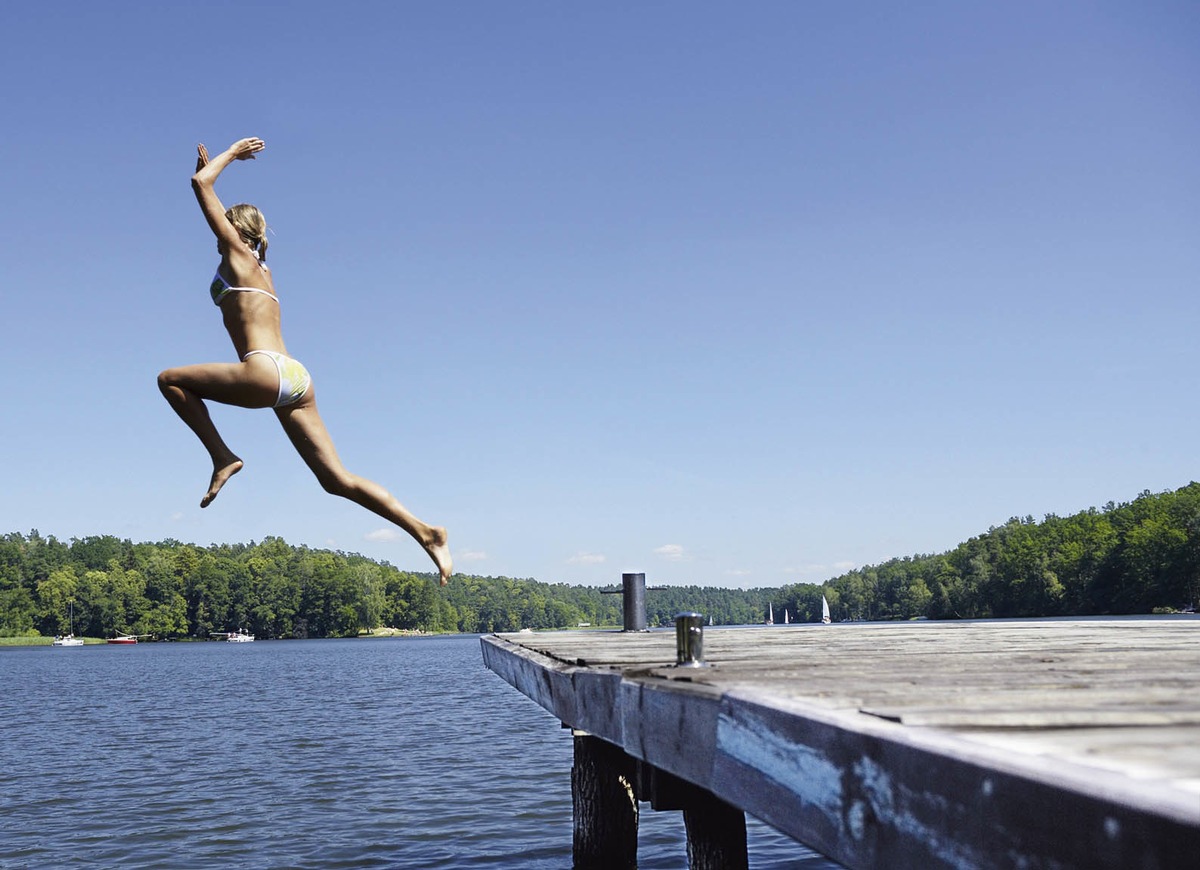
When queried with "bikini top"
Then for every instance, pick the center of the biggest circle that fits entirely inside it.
(220, 288)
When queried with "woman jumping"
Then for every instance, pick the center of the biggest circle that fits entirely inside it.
(267, 377)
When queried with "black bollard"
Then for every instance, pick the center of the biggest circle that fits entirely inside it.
(633, 601)
(633, 588)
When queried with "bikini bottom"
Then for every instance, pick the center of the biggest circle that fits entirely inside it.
(294, 379)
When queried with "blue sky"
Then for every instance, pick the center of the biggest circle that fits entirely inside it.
(734, 294)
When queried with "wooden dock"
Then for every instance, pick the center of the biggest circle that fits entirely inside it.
(1024, 743)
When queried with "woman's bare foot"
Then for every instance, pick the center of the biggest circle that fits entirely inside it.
(439, 550)
(220, 475)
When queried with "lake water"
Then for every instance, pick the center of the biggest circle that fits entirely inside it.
(299, 754)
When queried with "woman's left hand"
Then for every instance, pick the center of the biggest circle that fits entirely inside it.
(245, 149)
(201, 156)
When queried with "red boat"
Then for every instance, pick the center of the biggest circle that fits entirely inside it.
(124, 638)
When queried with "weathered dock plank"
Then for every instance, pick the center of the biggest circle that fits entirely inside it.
(1036, 743)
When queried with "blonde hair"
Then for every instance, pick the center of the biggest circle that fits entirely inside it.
(251, 226)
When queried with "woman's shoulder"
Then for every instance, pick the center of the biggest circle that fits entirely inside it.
(245, 266)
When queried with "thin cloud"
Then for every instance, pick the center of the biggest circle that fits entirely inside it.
(471, 556)
(587, 559)
(671, 552)
(382, 536)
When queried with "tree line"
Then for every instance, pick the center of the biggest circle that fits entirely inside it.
(168, 589)
(1141, 556)
(1136, 557)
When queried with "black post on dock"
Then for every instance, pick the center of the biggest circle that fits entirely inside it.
(633, 604)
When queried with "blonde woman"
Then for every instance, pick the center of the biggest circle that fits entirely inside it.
(266, 377)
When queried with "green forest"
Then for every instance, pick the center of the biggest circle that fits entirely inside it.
(1141, 556)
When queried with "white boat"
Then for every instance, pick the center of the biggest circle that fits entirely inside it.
(239, 636)
(787, 620)
(770, 613)
(825, 611)
(69, 639)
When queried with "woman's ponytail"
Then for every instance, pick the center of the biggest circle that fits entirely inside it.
(250, 223)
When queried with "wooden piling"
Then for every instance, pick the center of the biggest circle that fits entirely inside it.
(716, 831)
(716, 834)
(605, 808)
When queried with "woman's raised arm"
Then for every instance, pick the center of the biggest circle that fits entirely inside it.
(206, 175)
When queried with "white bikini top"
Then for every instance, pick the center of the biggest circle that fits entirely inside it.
(220, 288)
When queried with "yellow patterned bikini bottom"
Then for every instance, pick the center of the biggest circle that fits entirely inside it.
(293, 376)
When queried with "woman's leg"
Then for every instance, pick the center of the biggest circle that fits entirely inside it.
(247, 384)
(311, 439)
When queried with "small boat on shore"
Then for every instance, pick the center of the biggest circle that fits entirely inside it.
(69, 639)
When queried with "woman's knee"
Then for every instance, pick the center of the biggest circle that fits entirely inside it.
(167, 381)
(336, 481)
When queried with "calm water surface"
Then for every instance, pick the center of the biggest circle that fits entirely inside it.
(370, 753)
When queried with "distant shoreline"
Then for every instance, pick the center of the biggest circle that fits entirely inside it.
(395, 632)
(383, 632)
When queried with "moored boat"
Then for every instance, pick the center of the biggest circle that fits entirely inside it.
(124, 639)
(69, 639)
(239, 636)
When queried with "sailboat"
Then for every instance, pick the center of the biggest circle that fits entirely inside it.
(69, 639)
(786, 619)
(825, 611)
(770, 614)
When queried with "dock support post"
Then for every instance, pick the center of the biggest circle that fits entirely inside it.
(716, 831)
(605, 808)
(716, 834)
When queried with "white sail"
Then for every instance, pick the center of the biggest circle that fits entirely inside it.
(69, 639)
(825, 611)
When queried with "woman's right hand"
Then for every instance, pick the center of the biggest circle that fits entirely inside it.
(245, 149)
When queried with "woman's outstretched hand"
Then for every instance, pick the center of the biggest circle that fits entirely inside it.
(245, 149)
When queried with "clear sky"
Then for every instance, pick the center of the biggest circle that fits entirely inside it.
(739, 293)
